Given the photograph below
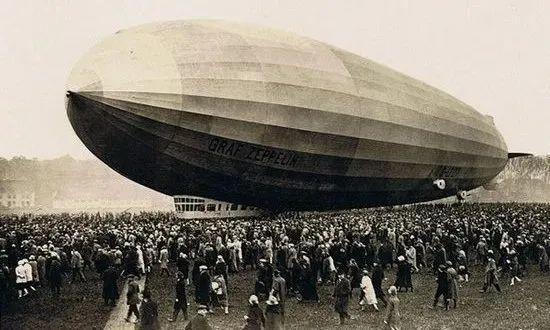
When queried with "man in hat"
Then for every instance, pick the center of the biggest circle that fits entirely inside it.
(377, 279)
(132, 298)
(279, 290)
(199, 322)
(180, 304)
(491, 273)
(342, 293)
(204, 287)
(442, 286)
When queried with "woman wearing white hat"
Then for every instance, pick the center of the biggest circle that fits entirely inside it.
(21, 279)
(255, 319)
(393, 317)
(368, 296)
(273, 314)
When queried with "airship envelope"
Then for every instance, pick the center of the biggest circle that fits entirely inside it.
(262, 117)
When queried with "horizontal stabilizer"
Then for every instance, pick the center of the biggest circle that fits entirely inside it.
(518, 154)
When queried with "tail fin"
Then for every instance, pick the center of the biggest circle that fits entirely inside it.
(518, 154)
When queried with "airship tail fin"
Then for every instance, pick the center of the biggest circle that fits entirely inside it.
(518, 154)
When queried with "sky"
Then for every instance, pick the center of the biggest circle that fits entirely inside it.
(493, 55)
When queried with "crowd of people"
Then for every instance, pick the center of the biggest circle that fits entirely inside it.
(291, 255)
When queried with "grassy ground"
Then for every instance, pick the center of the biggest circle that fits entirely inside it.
(523, 306)
(79, 306)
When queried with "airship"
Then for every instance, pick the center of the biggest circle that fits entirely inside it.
(263, 117)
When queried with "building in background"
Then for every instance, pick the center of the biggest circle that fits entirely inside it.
(191, 207)
(16, 194)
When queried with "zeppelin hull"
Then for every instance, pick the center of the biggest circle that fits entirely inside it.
(274, 120)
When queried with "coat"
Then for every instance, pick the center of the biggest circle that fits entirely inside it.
(132, 296)
(110, 285)
(369, 296)
(203, 289)
(273, 318)
(20, 274)
(452, 283)
(393, 317)
(279, 289)
(256, 319)
(342, 292)
(149, 315)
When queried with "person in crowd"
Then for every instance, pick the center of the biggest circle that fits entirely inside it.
(55, 274)
(221, 268)
(110, 286)
(132, 298)
(149, 313)
(515, 271)
(77, 264)
(404, 275)
(342, 294)
(219, 289)
(273, 315)
(21, 279)
(491, 273)
(180, 302)
(183, 265)
(279, 291)
(255, 319)
(442, 287)
(452, 285)
(368, 296)
(392, 320)
(377, 279)
(204, 288)
(200, 321)
(163, 260)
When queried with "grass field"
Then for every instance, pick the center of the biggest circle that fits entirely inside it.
(80, 306)
(524, 306)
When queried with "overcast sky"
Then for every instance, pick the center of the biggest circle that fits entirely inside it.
(493, 55)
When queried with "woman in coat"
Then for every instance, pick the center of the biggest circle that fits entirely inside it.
(393, 317)
(342, 293)
(452, 285)
(368, 296)
(403, 279)
(255, 319)
(149, 313)
(273, 315)
(110, 286)
(220, 291)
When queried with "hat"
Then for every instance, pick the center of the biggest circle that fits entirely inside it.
(263, 260)
(253, 299)
(272, 300)
(365, 272)
(202, 267)
(32, 257)
(20, 262)
(490, 252)
(400, 258)
(392, 290)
